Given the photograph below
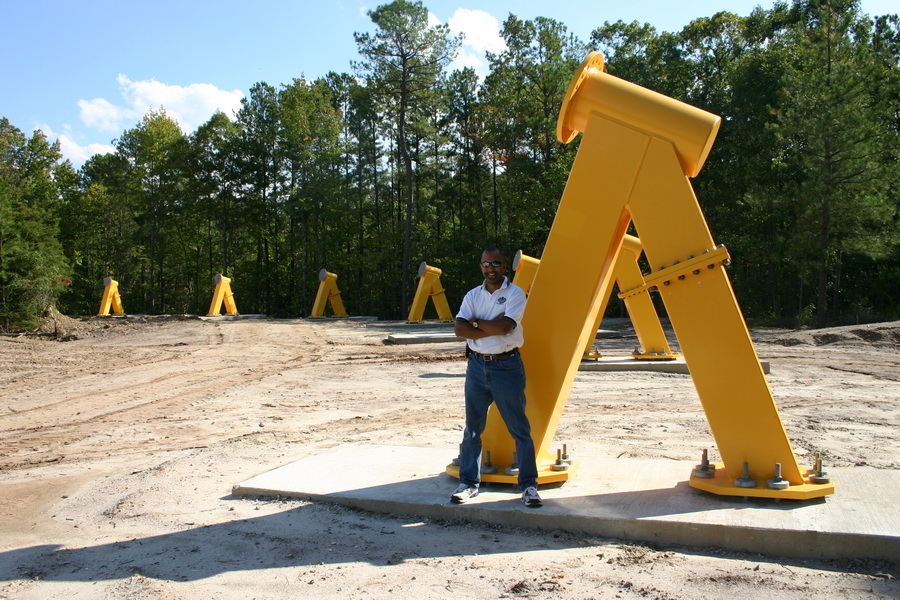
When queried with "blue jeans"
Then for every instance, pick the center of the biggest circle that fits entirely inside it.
(501, 382)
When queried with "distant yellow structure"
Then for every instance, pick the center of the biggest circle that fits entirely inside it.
(222, 294)
(111, 298)
(328, 293)
(637, 151)
(429, 287)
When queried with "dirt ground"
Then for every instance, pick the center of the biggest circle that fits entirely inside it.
(121, 439)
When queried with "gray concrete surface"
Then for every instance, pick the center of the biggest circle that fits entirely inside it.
(637, 500)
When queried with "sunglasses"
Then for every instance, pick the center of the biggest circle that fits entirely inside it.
(491, 263)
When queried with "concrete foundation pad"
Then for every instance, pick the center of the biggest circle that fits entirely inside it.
(622, 363)
(637, 500)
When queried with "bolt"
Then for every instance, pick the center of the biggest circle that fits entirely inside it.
(696, 271)
(681, 277)
(559, 465)
(666, 282)
(710, 266)
(565, 455)
(727, 262)
(513, 469)
(706, 251)
(704, 470)
(820, 475)
(488, 468)
(744, 480)
(777, 483)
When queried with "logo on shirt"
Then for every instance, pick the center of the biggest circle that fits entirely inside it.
(501, 300)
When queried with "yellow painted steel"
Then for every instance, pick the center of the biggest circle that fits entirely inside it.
(526, 269)
(430, 287)
(328, 293)
(636, 154)
(111, 298)
(222, 294)
(650, 333)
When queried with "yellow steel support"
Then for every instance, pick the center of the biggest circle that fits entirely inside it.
(636, 154)
(110, 298)
(430, 287)
(222, 294)
(628, 276)
(526, 268)
(650, 333)
(328, 293)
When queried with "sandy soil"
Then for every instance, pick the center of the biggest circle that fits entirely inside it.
(121, 439)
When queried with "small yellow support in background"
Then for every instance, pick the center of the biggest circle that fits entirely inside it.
(221, 294)
(328, 292)
(429, 287)
(640, 308)
(649, 330)
(111, 298)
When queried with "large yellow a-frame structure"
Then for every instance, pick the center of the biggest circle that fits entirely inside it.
(637, 153)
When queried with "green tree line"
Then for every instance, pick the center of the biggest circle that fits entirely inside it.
(403, 160)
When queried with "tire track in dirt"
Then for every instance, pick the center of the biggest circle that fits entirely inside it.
(41, 434)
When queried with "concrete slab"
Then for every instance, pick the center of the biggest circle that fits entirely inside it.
(622, 363)
(425, 337)
(637, 500)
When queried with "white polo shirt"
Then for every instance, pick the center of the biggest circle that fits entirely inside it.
(480, 304)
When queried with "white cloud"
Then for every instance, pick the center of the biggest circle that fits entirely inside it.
(433, 21)
(77, 153)
(482, 30)
(71, 149)
(189, 106)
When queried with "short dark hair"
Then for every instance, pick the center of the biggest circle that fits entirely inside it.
(497, 250)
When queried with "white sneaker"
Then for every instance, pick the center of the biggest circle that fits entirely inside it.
(463, 493)
(531, 498)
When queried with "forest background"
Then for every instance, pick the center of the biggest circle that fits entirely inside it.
(401, 161)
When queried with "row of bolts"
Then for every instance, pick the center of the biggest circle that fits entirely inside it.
(705, 470)
(563, 461)
(817, 474)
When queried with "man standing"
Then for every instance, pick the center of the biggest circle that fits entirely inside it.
(490, 319)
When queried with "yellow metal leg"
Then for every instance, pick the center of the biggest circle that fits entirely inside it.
(588, 217)
(712, 333)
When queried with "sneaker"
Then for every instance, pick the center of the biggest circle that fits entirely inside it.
(464, 493)
(531, 498)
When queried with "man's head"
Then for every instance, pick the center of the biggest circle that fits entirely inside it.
(493, 265)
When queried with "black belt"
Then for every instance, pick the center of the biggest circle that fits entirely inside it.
(501, 356)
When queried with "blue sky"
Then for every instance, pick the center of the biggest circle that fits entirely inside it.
(84, 71)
